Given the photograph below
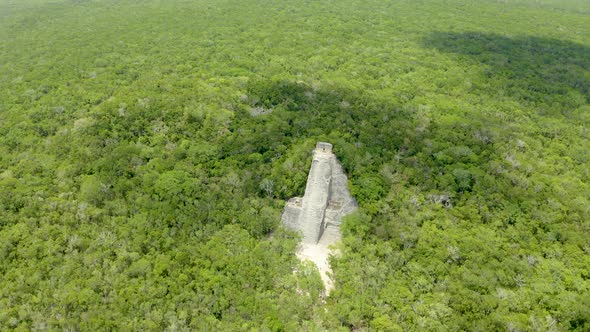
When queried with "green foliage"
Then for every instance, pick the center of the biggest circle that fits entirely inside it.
(146, 151)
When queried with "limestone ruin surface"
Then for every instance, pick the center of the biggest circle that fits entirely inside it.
(317, 215)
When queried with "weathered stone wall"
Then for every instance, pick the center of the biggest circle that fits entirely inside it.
(318, 214)
(291, 213)
(317, 193)
(326, 197)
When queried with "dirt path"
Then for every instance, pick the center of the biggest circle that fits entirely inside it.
(318, 254)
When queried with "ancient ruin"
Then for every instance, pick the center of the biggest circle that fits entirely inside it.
(318, 214)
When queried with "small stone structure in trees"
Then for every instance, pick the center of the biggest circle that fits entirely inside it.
(317, 215)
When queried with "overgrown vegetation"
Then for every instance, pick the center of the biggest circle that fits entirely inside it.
(146, 150)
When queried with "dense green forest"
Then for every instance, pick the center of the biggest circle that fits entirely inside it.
(147, 149)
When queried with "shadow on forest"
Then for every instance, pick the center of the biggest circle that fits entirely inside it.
(537, 69)
(296, 111)
(366, 133)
